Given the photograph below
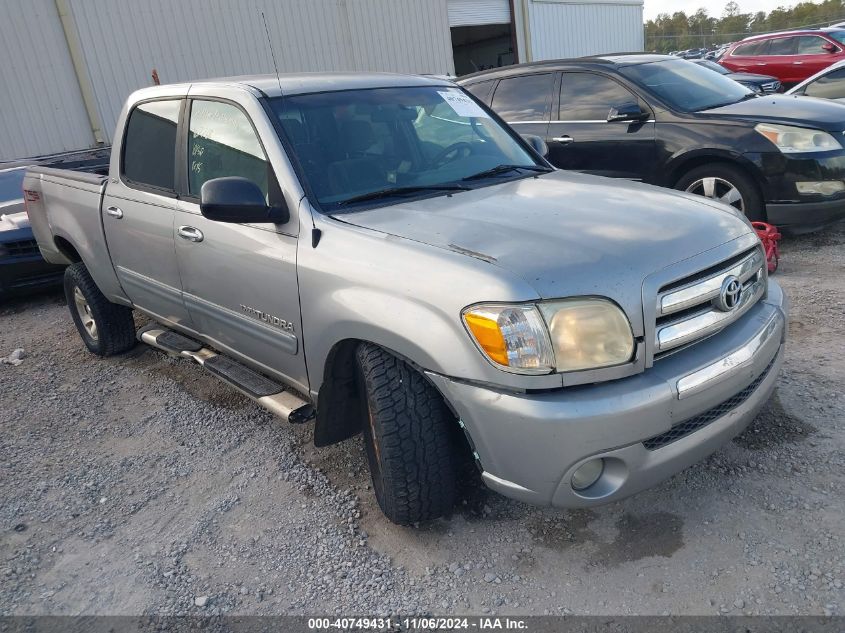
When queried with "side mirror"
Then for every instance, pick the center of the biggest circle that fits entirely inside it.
(238, 200)
(626, 112)
(537, 144)
(830, 48)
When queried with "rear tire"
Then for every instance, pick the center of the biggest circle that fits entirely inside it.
(408, 438)
(106, 328)
(725, 182)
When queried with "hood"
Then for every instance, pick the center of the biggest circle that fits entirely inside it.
(789, 110)
(752, 77)
(567, 234)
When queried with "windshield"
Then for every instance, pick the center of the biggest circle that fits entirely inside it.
(686, 86)
(11, 184)
(356, 145)
(839, 36)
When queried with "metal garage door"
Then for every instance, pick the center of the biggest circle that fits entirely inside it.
(477, 12)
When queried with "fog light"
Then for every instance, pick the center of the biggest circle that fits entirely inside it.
(587, 474)
(824, 187)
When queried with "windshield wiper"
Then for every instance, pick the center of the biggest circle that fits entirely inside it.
(501, 169)
(398, 191)
(746, 97)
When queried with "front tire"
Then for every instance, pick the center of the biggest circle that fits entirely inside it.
(106, 328)
(727, 184)
(408, 438)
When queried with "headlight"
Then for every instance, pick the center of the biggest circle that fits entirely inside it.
(566, 335)
(588, 333)
(512, 336)
(797, 140)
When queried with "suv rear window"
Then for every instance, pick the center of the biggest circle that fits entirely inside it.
(149, 147)
(752, 48)
(782, 46)
(525, 98)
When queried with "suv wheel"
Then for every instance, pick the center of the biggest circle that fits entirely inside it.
(106, 328)
(408, 438)
(727, 184)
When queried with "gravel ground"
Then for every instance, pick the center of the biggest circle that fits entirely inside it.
(141, 485)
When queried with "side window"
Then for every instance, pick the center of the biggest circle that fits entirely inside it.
(221, 142)
(750, 49)
(149, 146)
(481, 90)
(782, 46)
(831, 86)
(589, 97)
(811, 45)
(526, 98)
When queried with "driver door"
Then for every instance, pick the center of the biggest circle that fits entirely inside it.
(582, 139)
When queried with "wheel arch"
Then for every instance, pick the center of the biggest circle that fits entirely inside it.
(339, 402)
(680, 164)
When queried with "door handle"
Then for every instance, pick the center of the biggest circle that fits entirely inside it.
(190, 233)
(565, 140)
(114, 212)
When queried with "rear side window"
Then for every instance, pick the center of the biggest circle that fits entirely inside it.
(831, 86)
(782, 46)
(752, 48)
(526, 98)
(222, 142)
(589, 97)
(149, 147)
(481, 90)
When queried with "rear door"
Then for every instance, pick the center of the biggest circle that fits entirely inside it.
(581, 138)
(525, 102)
(748, 58)
(781, 60)
(139, 209)
(239, 280)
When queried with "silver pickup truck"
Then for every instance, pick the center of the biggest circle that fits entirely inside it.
(380, 253)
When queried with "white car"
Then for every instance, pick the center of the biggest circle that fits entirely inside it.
(825, 84)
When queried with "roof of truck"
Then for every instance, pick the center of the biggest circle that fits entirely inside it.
(300, 83)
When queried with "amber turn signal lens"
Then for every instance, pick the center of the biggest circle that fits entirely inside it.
(489, 337)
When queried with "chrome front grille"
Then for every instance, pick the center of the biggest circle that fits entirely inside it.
(690, 309)
(772, 86)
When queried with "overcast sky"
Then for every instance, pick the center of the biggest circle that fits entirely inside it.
(714, 7)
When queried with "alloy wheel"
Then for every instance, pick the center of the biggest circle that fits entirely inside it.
(718, 189)
(85, 315)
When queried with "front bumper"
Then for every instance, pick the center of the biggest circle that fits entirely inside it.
(529, 444)
(785, 207)
(802, 217)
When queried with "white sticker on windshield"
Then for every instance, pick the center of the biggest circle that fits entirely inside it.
(462, 104)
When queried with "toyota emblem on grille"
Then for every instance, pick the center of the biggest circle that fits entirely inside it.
(729, 295)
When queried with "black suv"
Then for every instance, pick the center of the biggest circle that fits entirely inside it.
(670, 122)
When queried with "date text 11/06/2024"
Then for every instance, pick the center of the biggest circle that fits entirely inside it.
(421, 623)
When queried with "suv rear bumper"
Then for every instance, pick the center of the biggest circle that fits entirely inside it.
(530, 444)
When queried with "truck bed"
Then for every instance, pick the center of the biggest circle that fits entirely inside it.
(65, 208)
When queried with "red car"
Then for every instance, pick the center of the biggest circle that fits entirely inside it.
(792, 56)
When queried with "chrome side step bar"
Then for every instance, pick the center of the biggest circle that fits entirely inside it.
(266, 392)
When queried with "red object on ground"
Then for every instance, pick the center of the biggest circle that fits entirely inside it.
(769, 235)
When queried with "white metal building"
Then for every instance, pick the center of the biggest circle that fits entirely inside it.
(69, 64)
